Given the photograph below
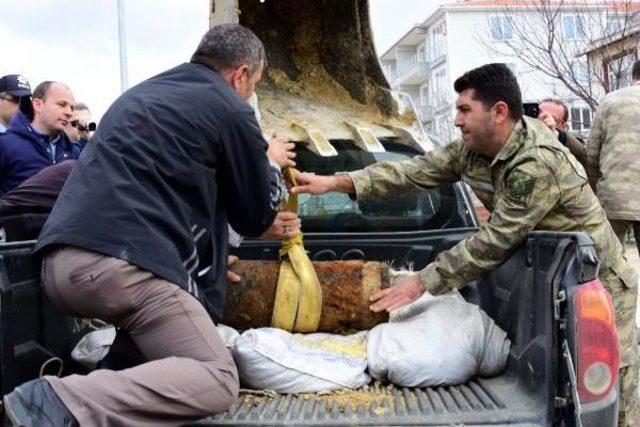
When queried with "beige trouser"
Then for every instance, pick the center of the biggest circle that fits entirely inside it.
(190, 373)
(629, 376)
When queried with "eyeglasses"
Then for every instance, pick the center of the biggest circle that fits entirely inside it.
(10, 98)
(91, 126)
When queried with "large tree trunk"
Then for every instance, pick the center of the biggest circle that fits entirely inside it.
(346, 288)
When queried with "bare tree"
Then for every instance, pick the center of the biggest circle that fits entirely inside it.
(552, 36)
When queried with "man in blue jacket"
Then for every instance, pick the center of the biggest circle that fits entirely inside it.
(35, 139)
(174, 161)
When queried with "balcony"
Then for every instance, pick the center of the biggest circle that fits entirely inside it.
(438, 57)
(414, 71)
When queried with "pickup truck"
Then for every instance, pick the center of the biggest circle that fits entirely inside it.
(325, 90)
(544, 297)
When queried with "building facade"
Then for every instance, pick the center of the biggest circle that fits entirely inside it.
(458, 37)
(612, 58)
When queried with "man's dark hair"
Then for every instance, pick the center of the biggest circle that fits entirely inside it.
(493, 83)
(228, 46)
(565, 114)
(635, 71)
(42, 89)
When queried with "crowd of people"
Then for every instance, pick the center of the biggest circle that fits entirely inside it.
(125, 228)
(42, 133)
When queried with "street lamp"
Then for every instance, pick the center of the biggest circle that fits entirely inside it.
(122, 44)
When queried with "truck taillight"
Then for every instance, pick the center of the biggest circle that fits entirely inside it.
(598, 345)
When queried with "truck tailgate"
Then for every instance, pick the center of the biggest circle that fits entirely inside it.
(492, 401)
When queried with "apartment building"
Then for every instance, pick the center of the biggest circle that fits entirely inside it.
(457, 37)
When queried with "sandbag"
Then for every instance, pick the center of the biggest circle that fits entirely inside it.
(273, 359)
(228, 335)
(436, 341)
(93, 347)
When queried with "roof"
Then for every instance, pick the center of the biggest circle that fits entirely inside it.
(411, 31)
(416, 30)
(615, 6)
(613, 38)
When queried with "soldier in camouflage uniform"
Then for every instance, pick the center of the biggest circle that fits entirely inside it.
(613, 157)
(613, 166)
(524, 176)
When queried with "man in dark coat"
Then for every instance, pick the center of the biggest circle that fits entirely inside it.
(175, 160)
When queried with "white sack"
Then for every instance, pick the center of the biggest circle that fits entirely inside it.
(93, 347)
(436, 341)
(228, 334)
(273, 359)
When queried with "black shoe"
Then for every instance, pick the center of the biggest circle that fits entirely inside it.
(34, 403)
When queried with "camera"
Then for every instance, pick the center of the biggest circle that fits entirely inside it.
(82, 127)
(531, 109)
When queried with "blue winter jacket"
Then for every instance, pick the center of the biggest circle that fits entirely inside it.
(24, 152)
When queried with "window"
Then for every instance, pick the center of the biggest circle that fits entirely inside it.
(573, 27)
(438, 41)
(581, 73)
(580, 118)
(424, 95)
(333, 212)
(619, 72)
(439, 91)
(501, 28)
(613, 26)
(421, 53)
(390, 71)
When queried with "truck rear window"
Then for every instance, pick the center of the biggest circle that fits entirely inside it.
(336, 212)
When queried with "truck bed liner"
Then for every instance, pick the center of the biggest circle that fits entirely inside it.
(479, 402)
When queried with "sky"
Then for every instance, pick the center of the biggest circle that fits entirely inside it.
(76, 41)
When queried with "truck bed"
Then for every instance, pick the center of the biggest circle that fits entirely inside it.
(518, 296)
(479, 402)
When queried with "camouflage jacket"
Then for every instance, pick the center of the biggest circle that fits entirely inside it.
(613, 154)
(533, 183)
(576, 146)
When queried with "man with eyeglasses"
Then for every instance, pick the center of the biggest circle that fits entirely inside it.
(555, 114)
(12, 88)
(35, 137)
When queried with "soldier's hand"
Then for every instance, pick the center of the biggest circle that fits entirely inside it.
(281, 151)
(286, 225)
(312, 184)
(231, 276)
(405, 291)
(548, 120)
(318, 184)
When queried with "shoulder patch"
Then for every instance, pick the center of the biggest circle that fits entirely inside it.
(520, 185)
